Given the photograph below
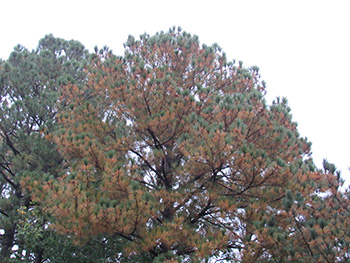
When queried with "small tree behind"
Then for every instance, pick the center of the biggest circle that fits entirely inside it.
(29, 88)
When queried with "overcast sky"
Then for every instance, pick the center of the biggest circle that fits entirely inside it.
(301, 47)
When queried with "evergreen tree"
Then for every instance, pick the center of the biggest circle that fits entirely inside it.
(173, 149)
(29, 88)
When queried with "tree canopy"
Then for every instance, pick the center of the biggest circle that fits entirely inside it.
(169, 153)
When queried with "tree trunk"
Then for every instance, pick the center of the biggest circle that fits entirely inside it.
(39, 256)
(7, 242)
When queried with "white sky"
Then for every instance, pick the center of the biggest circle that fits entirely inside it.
(301, 47)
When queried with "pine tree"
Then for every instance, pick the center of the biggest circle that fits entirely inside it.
(173, 149)
(29, 89)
